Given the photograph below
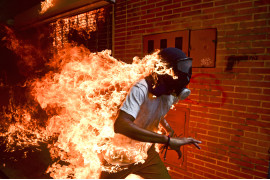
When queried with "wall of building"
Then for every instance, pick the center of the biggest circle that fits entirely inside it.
(229, 107)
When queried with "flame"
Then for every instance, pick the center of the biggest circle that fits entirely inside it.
(45, 5)
(81, 97)
(133, 176)
(79, 25)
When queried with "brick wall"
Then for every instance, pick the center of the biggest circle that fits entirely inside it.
(229, 107)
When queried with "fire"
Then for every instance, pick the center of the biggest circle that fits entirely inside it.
(81, 96)
(45, 5)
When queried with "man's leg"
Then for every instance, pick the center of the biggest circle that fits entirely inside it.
(122, 174)
(153, 168)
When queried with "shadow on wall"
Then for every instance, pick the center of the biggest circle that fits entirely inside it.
(232, 60)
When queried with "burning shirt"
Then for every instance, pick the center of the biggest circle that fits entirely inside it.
(147, 111)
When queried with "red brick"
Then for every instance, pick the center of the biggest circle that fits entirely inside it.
(206, 159)
(261, 44)
(260, 84)
(232, 131)
(249, 77)
(202, 6)
(264, 131)
(163, 13)
(213, 10)
(224, 2)
(218, 134)
(220, 112)
(191, 2)
(248, 90)
(207, 127)
(247, 25)
(253, 10)
(239, 69)
(148, 16)
(210, 93)
(241, 163)
(217, 146)
(257, 136)
(262, 155)
(154, 20)
(248, 140)
(261, 168)
(231, 26)
(247, 102)
(267, 78)
(243, 152)
(259, 97)
(220, 123)
(252, 50)
(196, 172)
(250, 64)
(234, 107)
(225, 175)
(245, 127)
(197, 130)
(239, 174)
(260, 70)
(163, 23)
(209, 116)
(261, 3)
(213, 22)
(210, 176)
(228, 165)
(235, 119)
(235, 82)
(205, 169)
(262, 16)
(240, 6)
(216, 167)
(258, 123)
(255, 173)
(258, 110)
(231, 143)
(265, 118)
(238, 45)
(262, 162)
(205, 138)
(225, 14)
(239, 18)
(236, 95)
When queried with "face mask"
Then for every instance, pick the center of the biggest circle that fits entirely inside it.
(166, 85)
(184, 94)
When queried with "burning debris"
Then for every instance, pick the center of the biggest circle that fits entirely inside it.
(45, 5)
(80, 97)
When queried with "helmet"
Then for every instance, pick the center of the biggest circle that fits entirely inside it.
(182, 67)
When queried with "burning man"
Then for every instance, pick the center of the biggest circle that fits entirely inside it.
(144, 109)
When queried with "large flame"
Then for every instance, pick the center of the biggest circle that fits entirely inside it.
(81, 97)
(45, 5)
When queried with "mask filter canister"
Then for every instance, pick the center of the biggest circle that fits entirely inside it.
(184, 94)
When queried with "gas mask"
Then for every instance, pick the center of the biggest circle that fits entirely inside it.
(182, 67)
(166, 85)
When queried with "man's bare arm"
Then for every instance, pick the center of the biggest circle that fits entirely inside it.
(124, 125)
(167, 127)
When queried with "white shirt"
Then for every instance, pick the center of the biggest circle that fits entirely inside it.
(147, 111)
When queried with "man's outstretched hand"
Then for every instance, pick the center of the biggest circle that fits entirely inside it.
(176, 143)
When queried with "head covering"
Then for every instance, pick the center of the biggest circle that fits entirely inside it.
(177, 59)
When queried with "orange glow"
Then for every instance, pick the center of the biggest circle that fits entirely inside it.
(84, 24)
(81, 96)
(45, 5)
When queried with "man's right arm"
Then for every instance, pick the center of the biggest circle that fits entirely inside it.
(124, 125)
